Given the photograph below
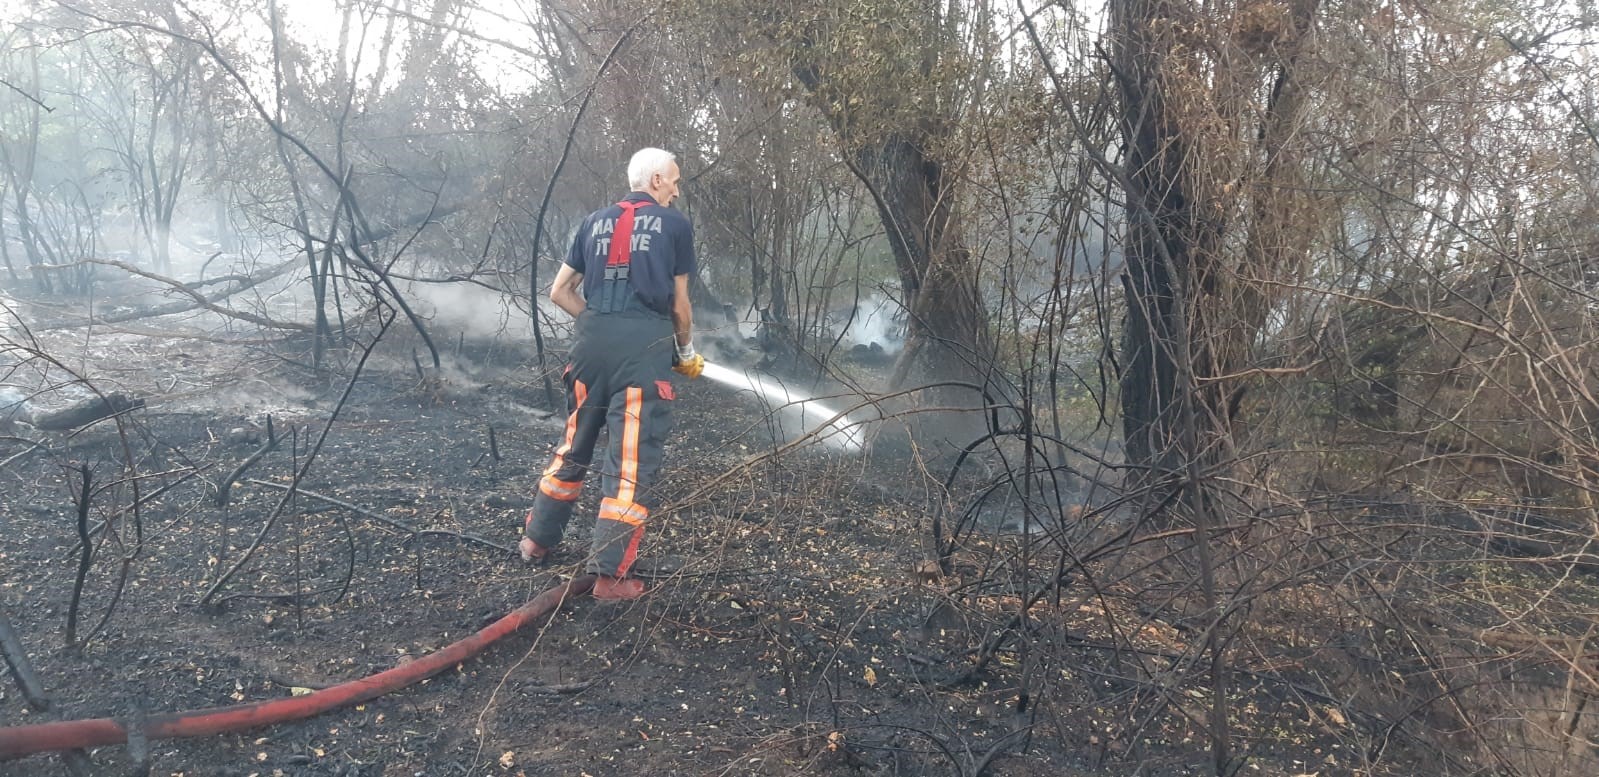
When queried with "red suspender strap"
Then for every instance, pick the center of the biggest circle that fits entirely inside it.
(622, 237)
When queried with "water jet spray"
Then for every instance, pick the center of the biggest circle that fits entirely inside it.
(834, 429)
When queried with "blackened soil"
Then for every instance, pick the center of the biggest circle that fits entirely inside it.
(788, 630)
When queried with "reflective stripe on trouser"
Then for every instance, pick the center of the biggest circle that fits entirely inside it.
(640, 417)
(562, 481)
(620, 363)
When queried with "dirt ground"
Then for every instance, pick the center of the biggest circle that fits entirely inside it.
(788, 631)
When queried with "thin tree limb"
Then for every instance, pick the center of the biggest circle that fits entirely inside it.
(383, 519)
(304, 468)
(197, 300)
(549, 191)
(25, 93)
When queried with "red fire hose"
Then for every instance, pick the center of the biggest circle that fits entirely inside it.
(20, 741)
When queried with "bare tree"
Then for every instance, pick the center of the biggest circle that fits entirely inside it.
(894, 80)
(20, 153)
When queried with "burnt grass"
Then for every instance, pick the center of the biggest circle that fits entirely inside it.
(789, 630)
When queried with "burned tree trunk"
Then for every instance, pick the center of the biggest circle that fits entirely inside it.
(1165, 239)
(1205, 157)
(1198, 166)
(946, 337)
(893, 153)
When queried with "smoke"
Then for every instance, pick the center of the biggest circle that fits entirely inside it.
(873, 322)
(255, 397)
(470, 309)
(722, 335)
(13, 403)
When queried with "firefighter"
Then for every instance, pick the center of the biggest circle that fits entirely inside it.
(632, 262)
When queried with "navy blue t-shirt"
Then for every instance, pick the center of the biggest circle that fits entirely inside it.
(663, 248)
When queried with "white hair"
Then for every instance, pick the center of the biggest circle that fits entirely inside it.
(647, 162)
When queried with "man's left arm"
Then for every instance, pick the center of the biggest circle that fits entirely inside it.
(686, 362)
(684, 265)
(682, 314)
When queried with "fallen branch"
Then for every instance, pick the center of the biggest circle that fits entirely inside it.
(84, 413)
(281, 599)
(197, 300)
(21, 668)
(562, 688)
(225, 486)
(383, 519)
(32, 446)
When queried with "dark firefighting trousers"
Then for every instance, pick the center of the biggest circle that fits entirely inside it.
(618, 379)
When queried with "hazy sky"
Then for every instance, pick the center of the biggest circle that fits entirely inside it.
(316, 23)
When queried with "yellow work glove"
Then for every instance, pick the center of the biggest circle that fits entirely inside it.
(688, 363)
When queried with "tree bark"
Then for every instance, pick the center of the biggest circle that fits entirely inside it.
(1163, 237)
(946, 338)
(1186, 174)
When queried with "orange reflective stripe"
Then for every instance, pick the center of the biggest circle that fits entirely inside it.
(562, 490)
(632, 419)
(582, 393)
(631, 513)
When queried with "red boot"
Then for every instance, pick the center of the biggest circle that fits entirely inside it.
(618, 589)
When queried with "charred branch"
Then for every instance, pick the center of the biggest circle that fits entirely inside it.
(21, 667)
(225, 486)
(381, 518)
(84, 412)
(196, 300)
(85, 557)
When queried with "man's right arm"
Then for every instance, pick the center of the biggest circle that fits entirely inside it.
(564, 291)
(569, 279)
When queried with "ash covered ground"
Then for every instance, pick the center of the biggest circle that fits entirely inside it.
(795, 626)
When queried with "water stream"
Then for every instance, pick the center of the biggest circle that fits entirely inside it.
(842, 434)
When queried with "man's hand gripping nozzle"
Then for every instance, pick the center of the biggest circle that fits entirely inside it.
(687, 363)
